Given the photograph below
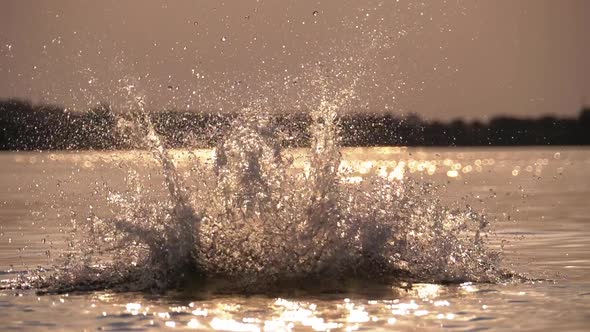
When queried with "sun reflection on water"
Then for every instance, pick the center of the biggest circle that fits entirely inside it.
(428, 302)
(387, 162)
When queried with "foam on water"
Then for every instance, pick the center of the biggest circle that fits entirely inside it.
(256, 221)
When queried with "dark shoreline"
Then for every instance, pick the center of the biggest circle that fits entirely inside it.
(28, 127)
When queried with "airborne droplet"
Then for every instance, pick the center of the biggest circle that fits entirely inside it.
(223, 39)
(315, 13)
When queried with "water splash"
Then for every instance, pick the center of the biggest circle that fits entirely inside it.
(256, 221)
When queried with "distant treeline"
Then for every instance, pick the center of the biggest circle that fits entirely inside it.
(24, 126)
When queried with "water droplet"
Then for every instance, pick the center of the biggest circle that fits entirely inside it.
(196, 23)
(223, 39)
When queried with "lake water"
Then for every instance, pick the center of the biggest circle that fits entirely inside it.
(536, 198)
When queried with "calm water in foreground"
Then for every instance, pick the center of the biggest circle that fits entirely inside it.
(536, 198)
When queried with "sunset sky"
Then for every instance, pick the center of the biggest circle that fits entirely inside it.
(440, 59)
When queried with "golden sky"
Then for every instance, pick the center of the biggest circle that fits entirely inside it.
(440, 59)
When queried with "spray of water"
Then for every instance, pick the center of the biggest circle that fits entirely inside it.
(255, 220)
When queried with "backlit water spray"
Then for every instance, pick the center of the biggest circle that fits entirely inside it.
(252, 222)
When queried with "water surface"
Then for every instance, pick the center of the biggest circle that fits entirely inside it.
(535, 198)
